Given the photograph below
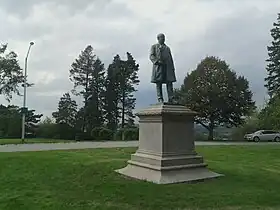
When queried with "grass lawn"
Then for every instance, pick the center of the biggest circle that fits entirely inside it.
(83, 180)
(31, 141)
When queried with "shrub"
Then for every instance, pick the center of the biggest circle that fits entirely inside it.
(118, 134)
(200, 137)
(106, 134)
(47, 130)
(66, 132)
(95, 133)
(83, 136)
(100, 133)
(131, 134)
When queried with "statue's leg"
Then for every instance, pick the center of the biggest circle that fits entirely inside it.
(170, 93)
(159, 92)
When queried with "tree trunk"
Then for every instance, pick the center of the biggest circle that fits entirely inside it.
(86, 103)
(211, 131)
(123, 111)
(211, 134)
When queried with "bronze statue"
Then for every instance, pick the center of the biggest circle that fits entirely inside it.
(163, 68)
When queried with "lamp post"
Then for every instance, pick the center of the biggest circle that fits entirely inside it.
(24, 94)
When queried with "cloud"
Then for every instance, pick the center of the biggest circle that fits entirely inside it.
(233, 30)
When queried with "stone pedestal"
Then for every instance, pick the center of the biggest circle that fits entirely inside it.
(166, 152)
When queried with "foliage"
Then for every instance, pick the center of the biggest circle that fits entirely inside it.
(273, 62)
(95, 106)
(100, 133)
(67, 111)
(95, 133)
(10, 121)
(118, 135)
(65, 131)
(106, 134)
(217, 94)
(270, 115)
(252, 123)
(47, 129)
(83, 136)
(112, 114)
(88, 75)
(122, 79)
(128, 78)
(127, 134)
(131, 134)
(11, 75)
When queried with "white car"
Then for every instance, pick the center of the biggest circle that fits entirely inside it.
(263, 135)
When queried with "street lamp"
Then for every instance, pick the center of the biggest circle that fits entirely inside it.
(24, 94)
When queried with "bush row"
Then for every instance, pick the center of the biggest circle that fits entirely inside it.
(105, 134)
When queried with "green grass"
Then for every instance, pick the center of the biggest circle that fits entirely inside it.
(31, 141)
(83, 180)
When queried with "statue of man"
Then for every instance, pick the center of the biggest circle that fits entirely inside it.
(163, 68)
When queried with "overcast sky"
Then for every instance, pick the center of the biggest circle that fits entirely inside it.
(234, 30)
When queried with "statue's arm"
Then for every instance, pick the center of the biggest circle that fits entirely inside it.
(153, 57)
(171, 58)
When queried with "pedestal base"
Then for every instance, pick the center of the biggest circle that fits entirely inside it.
(166, 152)
(176, 170)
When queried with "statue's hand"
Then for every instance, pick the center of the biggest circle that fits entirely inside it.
(159, 62)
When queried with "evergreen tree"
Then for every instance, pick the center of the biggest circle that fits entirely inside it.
(67, 111)
(111, 95)
(128, 78)
(87, 74)
(11, 74)
(95, 107)
(219, 96)
(273, 62)
(122, 79)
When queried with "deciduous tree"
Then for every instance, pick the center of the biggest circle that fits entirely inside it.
(11, 75)
(216, 92)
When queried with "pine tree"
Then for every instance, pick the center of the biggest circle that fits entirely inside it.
(121, 82)
(273, 62)
(88, 75)
(67, 111)
(96, 100)
(128, 82)
(111, 95)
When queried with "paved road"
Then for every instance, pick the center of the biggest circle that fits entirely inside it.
(91, 145)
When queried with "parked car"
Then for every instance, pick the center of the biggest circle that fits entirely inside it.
(263, 135)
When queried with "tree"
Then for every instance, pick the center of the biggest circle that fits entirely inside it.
(251, 124)
(87, 74)
(219, 96)
(128, 82)
(270, 115)
(32, 120)
(10, 121)
(67, 111)
(273, 62)
(11, 75)
(47, 129)
(122, 79)
(111, 95)
(95, 107)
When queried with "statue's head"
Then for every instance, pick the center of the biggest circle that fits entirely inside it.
(161, 38)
